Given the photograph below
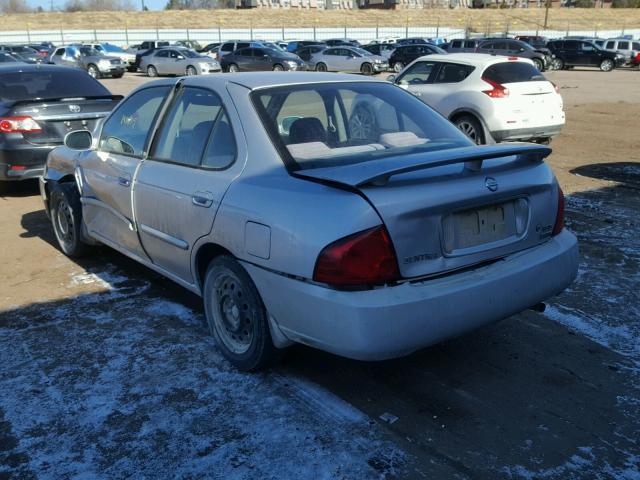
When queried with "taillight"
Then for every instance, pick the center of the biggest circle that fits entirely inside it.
(19, 125)
(559, 225)
(365, 258)
(498, 91)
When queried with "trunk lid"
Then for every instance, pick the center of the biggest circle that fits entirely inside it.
(451, 209)
(57, 117)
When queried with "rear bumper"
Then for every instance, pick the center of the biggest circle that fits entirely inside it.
(530, 133)
(394, 321)
(23, 163)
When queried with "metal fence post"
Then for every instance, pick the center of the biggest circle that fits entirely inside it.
(61, 37)
(219, 34)
(157, 33)
(95, 35)
(28, 34)
(126, 35)
(438, 28)
(188, 35)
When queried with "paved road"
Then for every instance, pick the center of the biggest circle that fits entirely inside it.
(106, 368)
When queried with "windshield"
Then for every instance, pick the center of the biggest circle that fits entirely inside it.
(42, 84)
(112, 48)
(331, 124)
(362, 51)
(4, 57)
(189, 53)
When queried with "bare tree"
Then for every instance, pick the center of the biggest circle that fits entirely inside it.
(14, 6)
(97, 5)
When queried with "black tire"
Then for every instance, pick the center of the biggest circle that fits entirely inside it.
(66, 218)
(236, 316)
(398, 67)
(471, 127)
(366, 69)
(119, 75)
(93, 70)
(233, 68)
(539, 64)
(152, 71)
(278, 68)
(321, 67)
(557, 64)
(607, 65)
(191, 71)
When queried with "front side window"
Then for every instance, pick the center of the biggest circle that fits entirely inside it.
(611, 45)
(332, 124)
(417, 74)
(162, 54)
(588, 47)
(196, 125)
(227, 47)
(127, 129)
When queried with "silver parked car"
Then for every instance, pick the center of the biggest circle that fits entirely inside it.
(178, 61)
(348, 59)
(336, 211)
(96, 64)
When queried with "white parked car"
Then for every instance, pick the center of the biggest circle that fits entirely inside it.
(490, 98)
(128, 58)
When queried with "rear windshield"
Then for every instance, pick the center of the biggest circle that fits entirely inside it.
(39, 84)
(329, 124)
(513, 72)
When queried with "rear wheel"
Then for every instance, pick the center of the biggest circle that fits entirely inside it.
(236, 316)
(539, 64)
(366, 69)
(321, 67)
(93, 71)
(191, 71)
(606, 65)
(151, 71)
(233, 68)
(278, 68)
(66, 217)
(471, 127)
(398, 66)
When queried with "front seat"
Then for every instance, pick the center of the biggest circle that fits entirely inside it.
(307, 130)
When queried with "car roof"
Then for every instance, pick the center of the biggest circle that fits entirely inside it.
(474, 59)
(257, 80)
(31, 67)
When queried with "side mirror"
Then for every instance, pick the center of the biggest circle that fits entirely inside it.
(391, 78)
(80, 140)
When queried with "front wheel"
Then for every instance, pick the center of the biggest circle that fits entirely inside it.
(151, 71)
(539, 64)
(93, 71)
(278, 68)
(191, 71)
(233, 68)
(606, 65)
(471, 127)
(398, 66)
(236, 316)
(66, 217)
(321, 67)
(366, 69)
(557, 64)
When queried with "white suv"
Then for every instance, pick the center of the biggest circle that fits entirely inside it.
(490, 98)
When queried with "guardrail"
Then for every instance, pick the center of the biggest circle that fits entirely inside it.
(365, 35)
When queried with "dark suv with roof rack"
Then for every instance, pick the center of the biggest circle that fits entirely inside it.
(580, 53)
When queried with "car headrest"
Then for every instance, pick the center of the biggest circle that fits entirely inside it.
(308, 129)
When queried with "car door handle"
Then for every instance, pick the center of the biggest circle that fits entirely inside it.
(124, 181)
(202, 199)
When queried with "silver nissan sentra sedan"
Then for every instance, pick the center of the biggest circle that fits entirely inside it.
(336, 211)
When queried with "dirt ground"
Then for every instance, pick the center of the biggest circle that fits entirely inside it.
(106, 370)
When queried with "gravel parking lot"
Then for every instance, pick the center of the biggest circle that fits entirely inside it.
(106, 369)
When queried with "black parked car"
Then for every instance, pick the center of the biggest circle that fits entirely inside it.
(580, 53)
(342, 42)
(256, 59)
(22, 53)
(382, 49)
(8, 58)
(405, 54)
(515, 48)
(39, 105)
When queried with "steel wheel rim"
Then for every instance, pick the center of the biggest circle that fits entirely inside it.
(538, 65)
(151, 71)
(93, 72)
(232, 314)
(191, 71)
(277, 68)
(607, 65)
(321, 68)
(469, 130)
(361, 124)
(366, 69)
(64, 223)
(233, 68)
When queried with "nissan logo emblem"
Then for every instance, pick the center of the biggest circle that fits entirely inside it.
(491, 184)
(74, 108)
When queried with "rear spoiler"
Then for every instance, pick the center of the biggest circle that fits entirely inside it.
(31, 101)
(378, 172)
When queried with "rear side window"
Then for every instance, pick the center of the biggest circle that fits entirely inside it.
(623, 45)
(571, 45)
(453, 73)
(187, 128)
(227, 47)
(126, 130)
(456, 44)
(513, 72)
(470, 44)
(243, 45)
(44, 84)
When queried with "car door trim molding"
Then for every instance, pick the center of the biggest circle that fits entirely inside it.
(171, 240)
